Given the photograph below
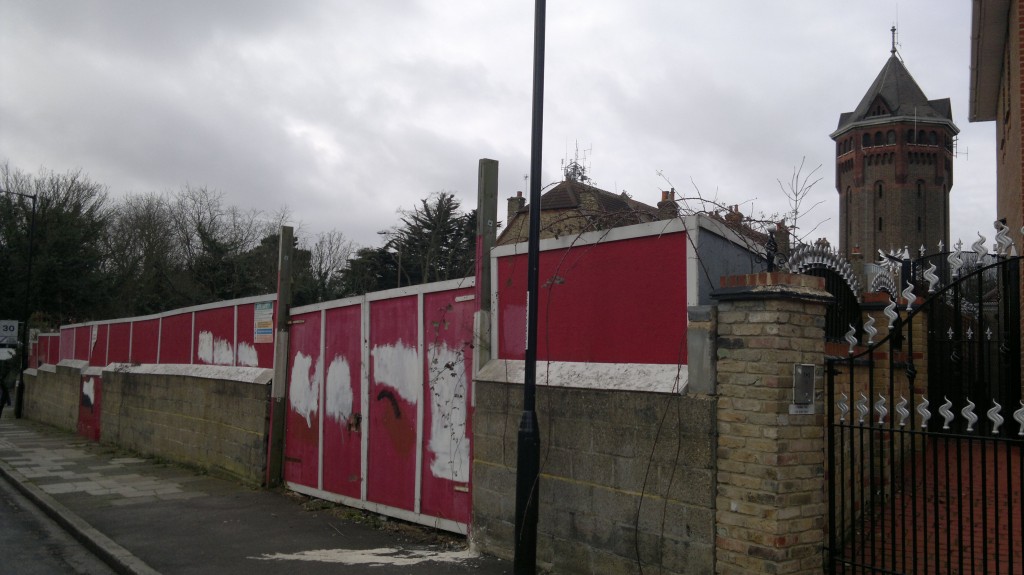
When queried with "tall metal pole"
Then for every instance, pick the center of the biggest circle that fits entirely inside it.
(528, 460)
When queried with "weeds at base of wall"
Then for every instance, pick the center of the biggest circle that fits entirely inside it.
(404, 531)
(198, 470)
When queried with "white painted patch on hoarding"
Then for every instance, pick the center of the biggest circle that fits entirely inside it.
(214, 350)
(339, 389)
(449, 444)
(247, 355)
(303, 390)
(89, 390)
(398, 366)
(385, 556)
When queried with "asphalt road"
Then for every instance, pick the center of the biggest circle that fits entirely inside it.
(32, 544)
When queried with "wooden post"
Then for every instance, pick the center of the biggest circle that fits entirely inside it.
(278, 389)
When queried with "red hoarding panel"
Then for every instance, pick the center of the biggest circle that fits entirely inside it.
(145, 339)
(83, 341)
(43, 349)
(67, 343)
(395, 386)
(175, 342)
(305, 380)
(248, 352)
(53, 350)
(98, 355)
(342, 405)
(617, 302)
(89, 407)
(214, 336)
(448, 342)
(120, 339)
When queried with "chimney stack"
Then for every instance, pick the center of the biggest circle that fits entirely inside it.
(667, 208)
(515, 204)
(733, 217)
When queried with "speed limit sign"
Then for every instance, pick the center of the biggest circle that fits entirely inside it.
(8, 332)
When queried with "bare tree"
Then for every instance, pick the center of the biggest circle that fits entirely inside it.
(797, 190)
(143, 263)
(329, 255)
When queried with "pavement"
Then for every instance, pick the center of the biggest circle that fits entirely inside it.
(144, 516)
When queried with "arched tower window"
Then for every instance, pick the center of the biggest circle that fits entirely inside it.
(922, 137)
(866, 140)
(933, 138)
(910, 136)
(878, 139)
(920, 188)
(879, 187)
(890, 137)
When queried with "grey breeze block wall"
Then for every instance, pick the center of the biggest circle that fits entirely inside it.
(52, 394)
(215, 418)
(627, 478)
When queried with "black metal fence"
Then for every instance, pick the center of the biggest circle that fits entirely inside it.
(926, 426)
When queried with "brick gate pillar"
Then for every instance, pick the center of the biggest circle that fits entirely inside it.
(771, 500)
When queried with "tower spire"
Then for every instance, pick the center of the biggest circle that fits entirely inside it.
(893, 50)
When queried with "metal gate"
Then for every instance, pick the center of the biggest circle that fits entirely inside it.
(926, 424)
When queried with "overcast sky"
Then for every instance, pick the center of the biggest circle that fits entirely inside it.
(346, 111)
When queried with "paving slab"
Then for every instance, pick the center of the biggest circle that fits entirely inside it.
(148, 517)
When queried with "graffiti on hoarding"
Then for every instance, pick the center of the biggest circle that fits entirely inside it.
(397, 366)
(449, 443)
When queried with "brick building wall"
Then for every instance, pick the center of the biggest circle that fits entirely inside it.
(916, 177)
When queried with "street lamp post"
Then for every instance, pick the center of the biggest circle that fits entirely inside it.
(26, 314)
(528, 456)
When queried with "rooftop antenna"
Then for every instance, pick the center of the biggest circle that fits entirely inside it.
(956, 149)
(576, 169)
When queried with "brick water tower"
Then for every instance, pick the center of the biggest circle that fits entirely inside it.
(894, 167)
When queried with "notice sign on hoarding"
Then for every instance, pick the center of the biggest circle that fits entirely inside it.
(8, 332)
(263, 322)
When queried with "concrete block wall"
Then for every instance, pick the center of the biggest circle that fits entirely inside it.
(771, 501)
(212, 417)
(52, 394)
(627, 478)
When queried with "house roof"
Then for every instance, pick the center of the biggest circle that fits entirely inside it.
(566, 195)
(899, 93)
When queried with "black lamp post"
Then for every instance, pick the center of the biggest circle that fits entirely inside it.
(528, 457)
(26, 314)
